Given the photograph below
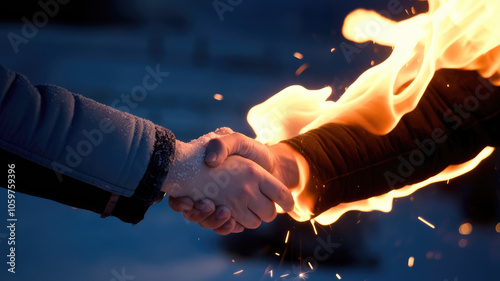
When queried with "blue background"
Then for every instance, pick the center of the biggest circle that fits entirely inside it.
(101, 48)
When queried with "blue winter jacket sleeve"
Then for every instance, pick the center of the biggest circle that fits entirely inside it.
(80, 152)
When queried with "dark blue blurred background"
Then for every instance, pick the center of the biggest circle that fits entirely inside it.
(101, 49)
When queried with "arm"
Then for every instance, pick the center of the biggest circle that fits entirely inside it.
(80, 152)
(450, 125)
(456, 118)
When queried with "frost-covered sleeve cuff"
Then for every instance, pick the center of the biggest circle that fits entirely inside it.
(149, 189)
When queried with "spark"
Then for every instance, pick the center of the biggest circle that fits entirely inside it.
(407, 12)
(287, 234)
(332, 50)
(301, 69)
(285, 275)
(429, 255)
(314, 227)
(338, 276)
(271, 273)
(413, 10)
(372, 62)
(238, 272)
(411, 260)
(447, 85)
(303, 275)
(465, 229)
(232, 260)
(298, 55)
(278, 254)
(497, 227)
(426, 222)
(462, 243)
(310, 265)
(218, 97)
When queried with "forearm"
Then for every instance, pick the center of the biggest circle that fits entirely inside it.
(80, 145)
(348, 164)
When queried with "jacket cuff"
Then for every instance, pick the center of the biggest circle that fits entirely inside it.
(149, 189)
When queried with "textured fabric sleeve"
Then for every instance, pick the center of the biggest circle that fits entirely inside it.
(455, 119)
(82, 147)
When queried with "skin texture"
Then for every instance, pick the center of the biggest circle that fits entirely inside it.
(241, 189)
(280, 161)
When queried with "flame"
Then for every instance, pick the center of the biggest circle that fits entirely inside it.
(457, 34)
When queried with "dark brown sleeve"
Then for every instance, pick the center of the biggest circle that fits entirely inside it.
(456, 118)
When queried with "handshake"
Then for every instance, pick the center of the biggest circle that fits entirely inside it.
(227, 182)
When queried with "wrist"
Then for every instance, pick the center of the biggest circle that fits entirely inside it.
(289, 166)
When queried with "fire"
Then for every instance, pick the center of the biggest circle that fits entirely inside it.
(457, 34)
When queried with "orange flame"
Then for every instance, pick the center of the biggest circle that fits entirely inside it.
(457, 34)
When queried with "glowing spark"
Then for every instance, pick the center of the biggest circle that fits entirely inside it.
(218, 97)
(332, 50)
(447, 85)
(407, 12)
(372, 62)
(238, 272)
(413, 10)
(301, 275)
(465, 229)
(497, 227)
(287, 234)
(310, 265)
(411, 260)
(298, 55)
(338, 276)
(429, 255)
(301, 69)
(285, 275)
(271, 273)
(462, 243)
(278, 254)
(232, 260)
(314, 227)
(426, 222)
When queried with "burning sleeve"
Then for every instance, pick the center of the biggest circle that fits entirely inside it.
(79, 152)
(456, 118)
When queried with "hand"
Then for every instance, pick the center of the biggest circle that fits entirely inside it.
(244, 187)
(280, 160)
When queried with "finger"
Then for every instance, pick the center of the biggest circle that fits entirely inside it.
(249, 220)
(238, 228)
(224, 131)
(201, 210)
(226, 228)
(219, 149)
(263, 208)
(180, 204)
(217, 219)
(277, 192)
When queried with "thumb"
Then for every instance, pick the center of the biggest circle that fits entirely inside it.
(219, 149)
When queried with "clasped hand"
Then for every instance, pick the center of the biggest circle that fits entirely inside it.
(227, 182)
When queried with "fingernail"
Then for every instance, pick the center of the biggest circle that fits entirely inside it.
(211, 157)
(222, 215)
